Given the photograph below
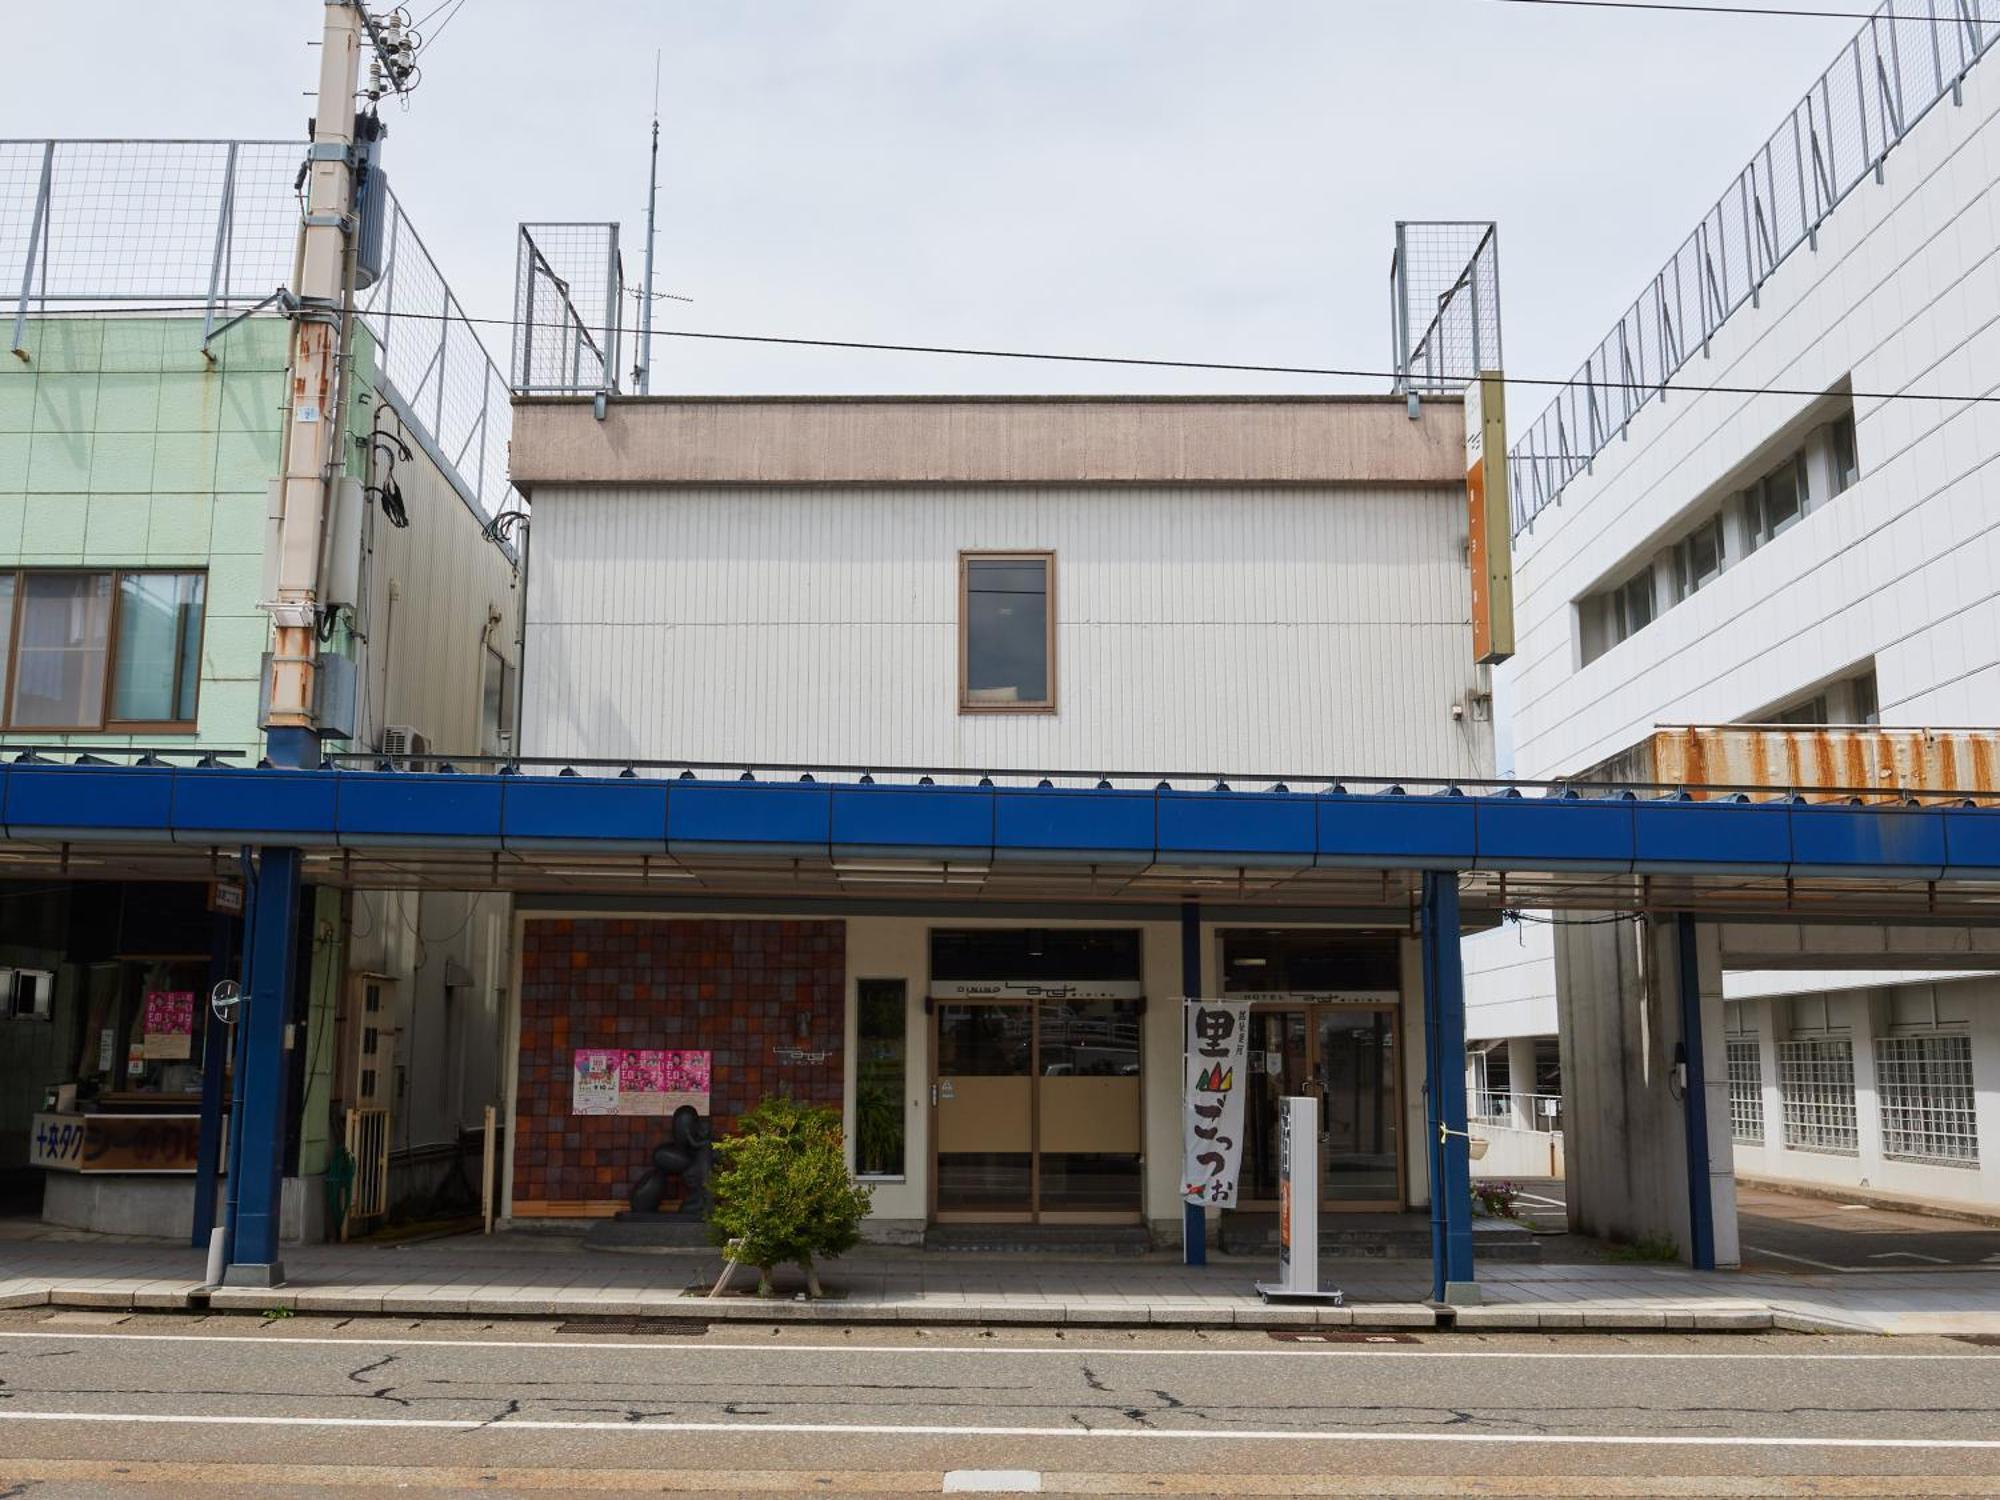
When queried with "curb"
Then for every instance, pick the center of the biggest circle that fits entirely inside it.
(1366, 1317)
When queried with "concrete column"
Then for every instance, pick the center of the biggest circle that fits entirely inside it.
(1521, 1081)
(1867, 1018)
(1626, 1137)
(259, 1165)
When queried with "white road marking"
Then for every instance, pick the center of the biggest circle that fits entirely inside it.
(992, 1482)
(1936, 1260)
(685, 1346)
(1207, 1434)
(1804, 1260)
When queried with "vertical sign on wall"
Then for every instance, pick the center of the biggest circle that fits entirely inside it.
(1489, 530)
(1218, 1032)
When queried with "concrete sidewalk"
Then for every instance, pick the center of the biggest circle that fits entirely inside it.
(552, 1275)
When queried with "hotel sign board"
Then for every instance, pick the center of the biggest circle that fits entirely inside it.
(1489, 515)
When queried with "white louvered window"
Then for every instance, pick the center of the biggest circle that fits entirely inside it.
(1925, 1087)
(1816, 1094)
(1746, 1093)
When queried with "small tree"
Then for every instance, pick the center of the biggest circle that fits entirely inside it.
(782, 1192)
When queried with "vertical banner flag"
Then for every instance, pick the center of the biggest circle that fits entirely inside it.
(1490, 518)
(1218, 1035)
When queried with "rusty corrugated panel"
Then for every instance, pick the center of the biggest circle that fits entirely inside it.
(1874, 762)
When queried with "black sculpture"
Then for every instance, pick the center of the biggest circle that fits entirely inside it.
(688, 1155)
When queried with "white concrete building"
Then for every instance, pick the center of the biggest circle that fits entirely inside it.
(1802, 530)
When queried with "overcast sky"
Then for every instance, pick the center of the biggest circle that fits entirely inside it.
(1176, 178)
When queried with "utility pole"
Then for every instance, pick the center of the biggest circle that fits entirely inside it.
(321, 305)
(313, 458)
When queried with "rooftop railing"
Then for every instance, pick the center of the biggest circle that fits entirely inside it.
(1907, 56)
(209, 227)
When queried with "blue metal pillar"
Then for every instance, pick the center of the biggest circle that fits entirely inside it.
(256, 1172)
(1694, 1096)
(1444, 1090)
(1194, 1218)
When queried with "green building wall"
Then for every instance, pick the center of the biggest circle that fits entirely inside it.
(121, 446)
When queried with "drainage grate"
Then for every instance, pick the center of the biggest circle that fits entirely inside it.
(1349, 1336)
(674, 1327)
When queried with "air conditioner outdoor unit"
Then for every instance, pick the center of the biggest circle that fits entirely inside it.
(405, 747)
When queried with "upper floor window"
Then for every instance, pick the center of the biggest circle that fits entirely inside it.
(1698, 558)
(1632, 605)
(1006, 634)
(1846, 461)
(105, 650)
(1776, 501)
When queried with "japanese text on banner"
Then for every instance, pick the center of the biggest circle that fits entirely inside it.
(1218, 1034)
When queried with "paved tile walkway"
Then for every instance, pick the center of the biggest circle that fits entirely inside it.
(552, 1275)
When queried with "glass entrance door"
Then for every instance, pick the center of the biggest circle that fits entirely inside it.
(1355, 1077)
(1037, 1113)
(985, 1122)
(1346, 1057)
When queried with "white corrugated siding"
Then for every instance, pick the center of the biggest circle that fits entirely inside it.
(1259, 630)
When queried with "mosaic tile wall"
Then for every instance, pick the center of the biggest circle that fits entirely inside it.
(742, 990)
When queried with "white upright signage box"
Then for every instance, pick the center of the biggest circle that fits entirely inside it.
(1298, 1204)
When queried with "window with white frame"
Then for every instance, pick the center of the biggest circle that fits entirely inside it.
(1924, 1084)
(1816, 1095)
(1746, 1091)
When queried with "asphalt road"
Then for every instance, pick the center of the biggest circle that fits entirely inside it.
(1789, 1232)
(226, 1407)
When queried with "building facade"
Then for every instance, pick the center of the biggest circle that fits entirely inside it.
(1078, 590)
(1804, 537)
(136, 454)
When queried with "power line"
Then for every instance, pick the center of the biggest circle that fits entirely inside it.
(1132, 360)
(1685, 8)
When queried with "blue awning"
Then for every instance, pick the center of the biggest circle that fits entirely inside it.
(1262, 834)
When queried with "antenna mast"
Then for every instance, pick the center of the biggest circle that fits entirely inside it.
(643, 375)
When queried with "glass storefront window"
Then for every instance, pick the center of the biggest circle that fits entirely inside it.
(881, 1051)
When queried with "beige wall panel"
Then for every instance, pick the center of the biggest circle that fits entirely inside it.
(986, 1114)
(1090, 1114)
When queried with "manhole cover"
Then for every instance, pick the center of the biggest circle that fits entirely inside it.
(674, 1327)
(1338, 1336)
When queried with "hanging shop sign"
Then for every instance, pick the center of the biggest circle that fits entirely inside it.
(1216, 1074)
(1037, 989)
(1489, 515)
(619, 1081)
(169, 1025)
(114, 1143)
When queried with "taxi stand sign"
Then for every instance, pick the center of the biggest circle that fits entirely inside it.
(1298, 1206)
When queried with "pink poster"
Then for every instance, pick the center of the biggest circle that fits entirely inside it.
(613, 1081)
(169, 1011)
(169, 1025)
